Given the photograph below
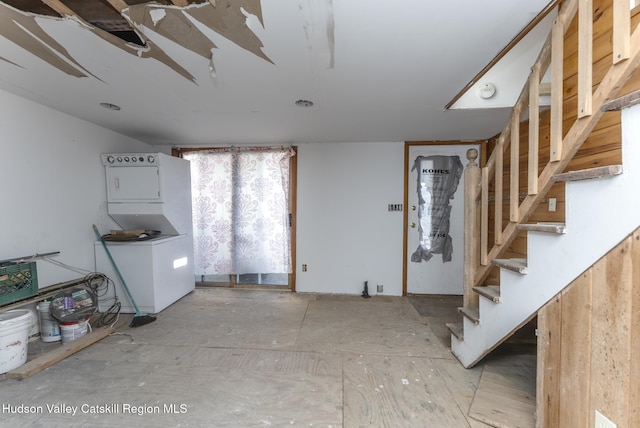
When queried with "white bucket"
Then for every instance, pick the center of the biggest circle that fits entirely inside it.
(49, 328)
(14, 338)
(73, 330)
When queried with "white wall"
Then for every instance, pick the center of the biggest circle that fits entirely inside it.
(52, 186)
(53, 190)
(345, 234)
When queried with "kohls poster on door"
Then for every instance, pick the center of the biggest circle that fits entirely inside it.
(438, 178)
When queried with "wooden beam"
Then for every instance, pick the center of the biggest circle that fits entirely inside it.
(585, 58)
(181, 3)
(545, 89)
(574, 366)
(610, 333)
(484, 218)
(557, 79)
(548, 363)
(621, 30)
(471, 245)
(514, 176)
(588, 174)
(534, 129)
(58, 354)
(59, 7)
(497, 235)
(623, 102)
(118, 5)
(634, 370)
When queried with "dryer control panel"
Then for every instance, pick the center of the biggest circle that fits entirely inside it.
(129, 159)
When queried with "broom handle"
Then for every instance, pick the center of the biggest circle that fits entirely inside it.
(113, 263)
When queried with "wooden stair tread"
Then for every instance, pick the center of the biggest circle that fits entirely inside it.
(544, 227)
(622, 102)
(514, 265)
(456, 329)
(585, 174)
(491, 292)
(473, 314)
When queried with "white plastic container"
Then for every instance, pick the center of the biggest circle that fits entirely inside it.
(71, 331)
(49, 328)
(14, 338)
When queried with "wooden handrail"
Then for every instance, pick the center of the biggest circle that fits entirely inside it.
(626, 58)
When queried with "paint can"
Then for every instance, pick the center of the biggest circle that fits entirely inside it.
(14, 338)
(49, 328)
(71, 331)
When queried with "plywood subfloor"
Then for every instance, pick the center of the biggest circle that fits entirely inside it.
(437, 311)
(244, 358)
(506, 394)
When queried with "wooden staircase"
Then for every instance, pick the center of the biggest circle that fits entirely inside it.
(556, 252)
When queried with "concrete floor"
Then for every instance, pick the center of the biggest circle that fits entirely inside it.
(254, 358)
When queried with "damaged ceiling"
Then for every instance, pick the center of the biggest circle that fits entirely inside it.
(230, 71)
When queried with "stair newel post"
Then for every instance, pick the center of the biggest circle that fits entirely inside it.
(471, 228)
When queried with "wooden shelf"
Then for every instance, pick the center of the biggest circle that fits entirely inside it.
(586, 174)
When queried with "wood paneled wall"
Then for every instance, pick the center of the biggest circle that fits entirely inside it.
(589, 334)
(589, 345)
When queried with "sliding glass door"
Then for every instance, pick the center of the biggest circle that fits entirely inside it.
(242, 215)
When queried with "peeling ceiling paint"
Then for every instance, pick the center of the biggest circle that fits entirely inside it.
(22, 29)
(228, 20)
(375, 71)
(174, 23)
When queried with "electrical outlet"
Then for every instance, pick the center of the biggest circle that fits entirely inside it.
(304, 268)
(603, 422)
(380, 288)
(552, 204)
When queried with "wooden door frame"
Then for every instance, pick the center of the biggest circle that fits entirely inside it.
(405, 220)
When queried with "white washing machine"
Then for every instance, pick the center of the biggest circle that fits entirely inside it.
(157, 271)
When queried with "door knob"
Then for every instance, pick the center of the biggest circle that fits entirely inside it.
(413, 207)
(413, 225)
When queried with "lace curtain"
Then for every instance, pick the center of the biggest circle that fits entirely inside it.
(241, 210)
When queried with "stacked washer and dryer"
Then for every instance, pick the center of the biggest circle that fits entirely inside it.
(148, 191)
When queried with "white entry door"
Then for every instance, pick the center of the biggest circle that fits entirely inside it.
(435, 218)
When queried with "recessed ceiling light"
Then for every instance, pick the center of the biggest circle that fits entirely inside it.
(110, 106)
(304, 103)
